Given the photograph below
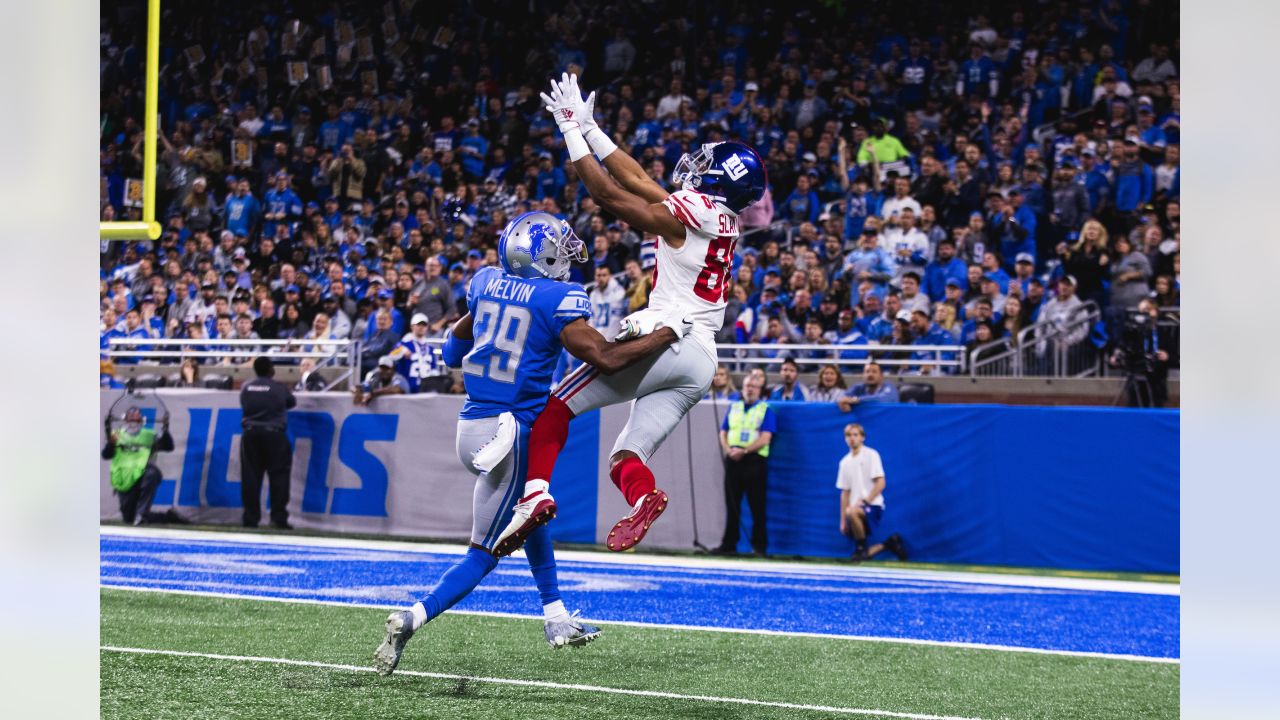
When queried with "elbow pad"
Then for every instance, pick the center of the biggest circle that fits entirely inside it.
(454, 350)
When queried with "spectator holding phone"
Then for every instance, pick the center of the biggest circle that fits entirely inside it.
(861, 482)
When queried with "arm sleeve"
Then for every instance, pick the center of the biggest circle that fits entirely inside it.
(842, 476)
(877, 468)
(455, 349)
(691, 209)
(573, 304)
(724, 424)
(770, 422)
(165, 442)
(289, 400)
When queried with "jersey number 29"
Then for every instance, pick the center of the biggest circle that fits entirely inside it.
(502, 333)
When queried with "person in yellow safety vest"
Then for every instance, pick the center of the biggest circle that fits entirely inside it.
(745, 434)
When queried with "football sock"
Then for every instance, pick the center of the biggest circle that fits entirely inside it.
(633, 478)
(456, 583)
(555, 612)
(547, 438)
(542, 563)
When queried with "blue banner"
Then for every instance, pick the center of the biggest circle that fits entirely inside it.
(1086, 488)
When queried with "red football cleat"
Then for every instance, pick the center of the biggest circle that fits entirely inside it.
(534, 510)
(630, 530)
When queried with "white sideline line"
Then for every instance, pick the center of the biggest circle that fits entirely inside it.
(670, 626)
(539, 684)
(632, 559)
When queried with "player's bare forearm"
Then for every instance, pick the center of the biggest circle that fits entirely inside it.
(639, 213)
(632, 177)
(588, 345)
(462, 328)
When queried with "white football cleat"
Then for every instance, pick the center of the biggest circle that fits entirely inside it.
(572, 632)
(399, 630)
(535, 509)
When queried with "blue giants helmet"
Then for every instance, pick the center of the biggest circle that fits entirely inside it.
(538, 244)
(729, 172)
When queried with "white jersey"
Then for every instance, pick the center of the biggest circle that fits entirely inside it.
(608, 307)
(695, 277)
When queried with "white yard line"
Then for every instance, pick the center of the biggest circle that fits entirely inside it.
(667, 561)
(668, 626)
(540, 684)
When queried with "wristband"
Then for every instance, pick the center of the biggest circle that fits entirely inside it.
(575, 144)
(600, 143)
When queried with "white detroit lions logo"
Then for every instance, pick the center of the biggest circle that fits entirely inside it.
(734, 168)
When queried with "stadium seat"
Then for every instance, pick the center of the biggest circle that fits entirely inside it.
(218, 382)
(173, 380)
(148, 380)
(916, 393)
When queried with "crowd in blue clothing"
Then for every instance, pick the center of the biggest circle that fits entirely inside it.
(933, 167)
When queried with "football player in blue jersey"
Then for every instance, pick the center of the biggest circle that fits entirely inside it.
(519, 318)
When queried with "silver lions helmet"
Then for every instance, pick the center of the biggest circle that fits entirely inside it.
(538, 244)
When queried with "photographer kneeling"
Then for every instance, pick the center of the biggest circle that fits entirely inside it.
(1145, 352)
(133, 476)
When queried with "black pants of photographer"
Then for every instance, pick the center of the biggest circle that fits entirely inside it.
(1148, 389)
(746, 476)
(135, 503)
(268, 451)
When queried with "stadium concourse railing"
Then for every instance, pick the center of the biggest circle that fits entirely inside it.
(322, 353)
(1044, 349)
(945, 359)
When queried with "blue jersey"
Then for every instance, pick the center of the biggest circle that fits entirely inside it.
(516, 324)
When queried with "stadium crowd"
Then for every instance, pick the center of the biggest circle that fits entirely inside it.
(340, 170)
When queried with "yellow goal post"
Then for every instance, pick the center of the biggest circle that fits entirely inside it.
(147, 228)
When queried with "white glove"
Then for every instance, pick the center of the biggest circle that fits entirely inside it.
(642, 322)
(584, 108)
(638, 324)
(563, 105)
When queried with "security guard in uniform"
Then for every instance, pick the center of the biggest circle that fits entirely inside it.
(744, 437)
(264, 446)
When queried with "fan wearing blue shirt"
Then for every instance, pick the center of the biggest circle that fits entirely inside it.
(802, 204)
(944, 266)
(872, 390)
(283, 205)
(242, 210)
(928, 332)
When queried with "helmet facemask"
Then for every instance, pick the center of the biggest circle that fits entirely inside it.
(692, 166)
(568, 248)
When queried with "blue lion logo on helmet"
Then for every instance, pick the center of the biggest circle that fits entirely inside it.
(729, 172)
(538, 244)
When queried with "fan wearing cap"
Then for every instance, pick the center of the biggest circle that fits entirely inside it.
(385, 301)
(418, 361)
(1134, 181)
(382, 380)
(1064, 308)
(927, 332)
(945, 266)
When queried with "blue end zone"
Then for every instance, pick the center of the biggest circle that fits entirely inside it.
(835, 603)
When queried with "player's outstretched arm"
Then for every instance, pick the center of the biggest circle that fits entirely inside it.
(640, 214)
(621, 166)
(588, 345)
(632, 177)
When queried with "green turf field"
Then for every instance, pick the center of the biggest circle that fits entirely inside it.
(837, 674)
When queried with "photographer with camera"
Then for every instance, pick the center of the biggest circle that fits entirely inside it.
(1145, 352)
(134, 476)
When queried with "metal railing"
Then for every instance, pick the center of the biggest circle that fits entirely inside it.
(1044, 349)
(948, 359)
(344, 354)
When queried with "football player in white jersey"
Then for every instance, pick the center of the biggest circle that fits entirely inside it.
(698, 227)
(608, 302)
